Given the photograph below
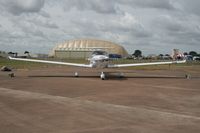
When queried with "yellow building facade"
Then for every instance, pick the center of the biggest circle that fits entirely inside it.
(76, 49)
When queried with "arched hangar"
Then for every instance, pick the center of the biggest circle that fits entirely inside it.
(77, 49)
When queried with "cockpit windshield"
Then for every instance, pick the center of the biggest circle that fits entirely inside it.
(99, 53)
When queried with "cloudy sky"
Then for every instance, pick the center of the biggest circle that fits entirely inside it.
(153, 26)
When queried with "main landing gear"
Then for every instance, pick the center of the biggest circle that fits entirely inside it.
(103, 76)
(76, 74)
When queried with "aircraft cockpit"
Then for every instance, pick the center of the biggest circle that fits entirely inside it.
(99, 53)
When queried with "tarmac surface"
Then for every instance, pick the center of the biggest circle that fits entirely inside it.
(51, 100)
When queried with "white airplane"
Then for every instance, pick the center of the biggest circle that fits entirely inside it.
(99, 59)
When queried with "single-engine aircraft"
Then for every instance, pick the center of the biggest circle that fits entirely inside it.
(98, 59)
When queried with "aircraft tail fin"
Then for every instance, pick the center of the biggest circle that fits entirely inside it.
(177, 54)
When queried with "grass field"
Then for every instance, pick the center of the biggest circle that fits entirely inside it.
(33, 65)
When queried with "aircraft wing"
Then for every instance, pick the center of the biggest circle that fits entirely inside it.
(51, 62)
(145, 64)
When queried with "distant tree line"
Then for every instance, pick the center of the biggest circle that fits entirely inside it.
(138, 53)
(192, 53)
(15, 54)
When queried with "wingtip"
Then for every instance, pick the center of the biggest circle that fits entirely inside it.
(183, 61)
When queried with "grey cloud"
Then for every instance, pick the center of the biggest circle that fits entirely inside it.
(18, 7)
(141, 33)
(122, 29)
(44, 23)
(190, 6)
(169, 24)
(28, 28)
(128, 25)
(44, 14)
(160, 4)
(113, 6)
(150, 25)
(176, 32)
(188, 38)
(100, 6)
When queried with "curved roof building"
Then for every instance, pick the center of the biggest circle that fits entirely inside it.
(84, 47)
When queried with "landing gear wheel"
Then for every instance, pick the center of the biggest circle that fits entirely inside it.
(121, 75)
(102, 76)
(76, 74)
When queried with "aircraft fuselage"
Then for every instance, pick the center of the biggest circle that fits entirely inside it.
(99, 61)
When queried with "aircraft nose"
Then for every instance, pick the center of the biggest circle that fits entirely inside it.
(104, 57)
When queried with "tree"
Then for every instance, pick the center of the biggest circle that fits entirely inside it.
(193, 53)
(11, 53)
(137, 53)
(26, 52)
(185, 53)
(160, 56)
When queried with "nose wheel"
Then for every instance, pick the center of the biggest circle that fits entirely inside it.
(103, 76)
